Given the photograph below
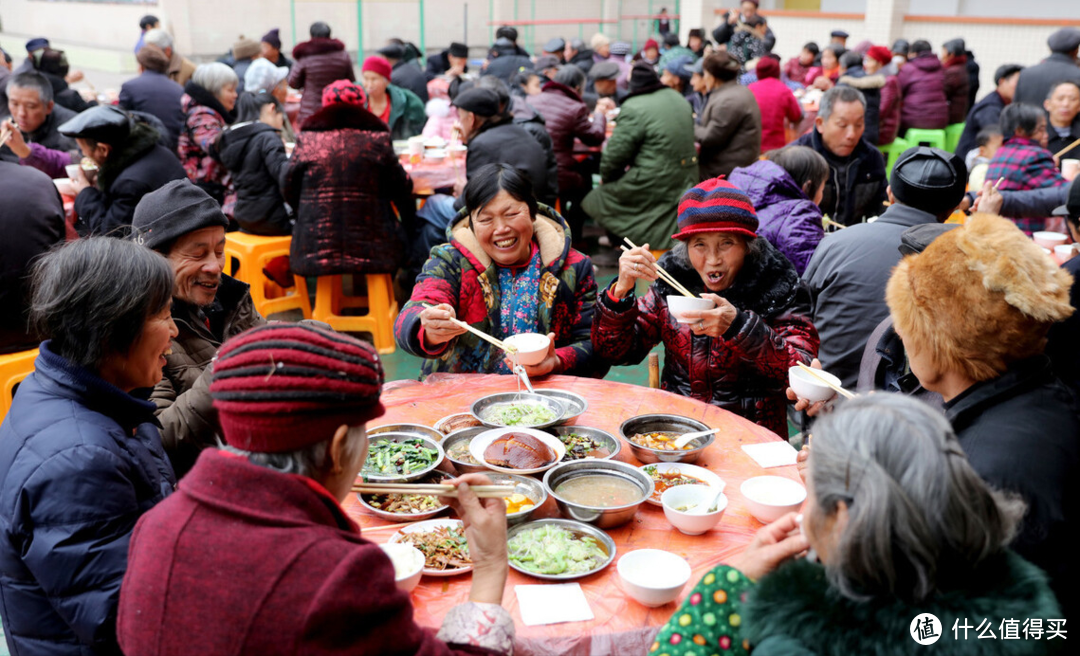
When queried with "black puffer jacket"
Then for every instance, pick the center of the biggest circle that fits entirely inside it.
(855, 189)
(504, 142)
(255, 155)
(506, 60)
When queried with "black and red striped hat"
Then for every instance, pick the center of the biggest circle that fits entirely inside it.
(716, 205)
(284, 386)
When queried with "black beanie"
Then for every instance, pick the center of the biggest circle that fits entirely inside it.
(929, 179)
(165, 215)
(642, 76)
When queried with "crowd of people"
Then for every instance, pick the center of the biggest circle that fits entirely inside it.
(169, 431)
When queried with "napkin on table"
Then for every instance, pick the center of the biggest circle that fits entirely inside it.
(771, 454)
(552, 604)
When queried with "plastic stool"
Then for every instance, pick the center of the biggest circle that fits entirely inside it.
(382, 308)
(14, 367)
(251, 253)
(932, 138)
(892, 152)
(952, 137)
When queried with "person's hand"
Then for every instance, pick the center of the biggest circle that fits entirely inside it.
(455, 71)
(965, 204)
(485, 529)
(812, 409)
(733, 17)
(989, 199)
(636, 263)
(80, 181)
(438, 325)
(551, 361)
(73, 76)
(770, 547)
(714, 322)
(15, 140)
(604, 105)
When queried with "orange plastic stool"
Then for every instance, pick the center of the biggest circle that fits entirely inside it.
(251, 253)
(382, 308)
(14, 367)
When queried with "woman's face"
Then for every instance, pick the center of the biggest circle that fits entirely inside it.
(717, 257)
(532, 87)
(227, 96)
(375, 84)
(871, 65)
(504, 229)
(1040, 135)
(806, 57)
(1063, 104)
(821, 530)
(141, 366)
(828, 59)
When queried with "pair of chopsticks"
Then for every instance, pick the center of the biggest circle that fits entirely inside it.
(481, 334)
(434, 489)
(825, 381)
(663, 274)
(1067, 148)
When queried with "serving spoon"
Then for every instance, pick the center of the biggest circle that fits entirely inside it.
(683, 440)
(706, 507)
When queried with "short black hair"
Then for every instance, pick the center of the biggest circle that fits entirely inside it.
(986, 134)
(851, 59)
(955, 47)
(570, 75)
(487, 182)
(148, 21)
(1055, 85)
(812, 48)
(33, 80)
(506, 32)
(803, 164)
(319, 30)
(901, 47)
(921, 46)
(1006, 70)
(1022, 117)
(249, 105)
(837, 50)
(755, 20)
(497, 85)
(92, 297)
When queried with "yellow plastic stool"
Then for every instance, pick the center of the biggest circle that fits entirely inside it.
(932, 138)
(382, 308)
(952, 137)
(253, 252)
(14, 367)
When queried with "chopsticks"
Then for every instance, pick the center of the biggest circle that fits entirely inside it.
(1067, 148)
(434, 489)
(825, 381)
(481, 334)
(663, 274)
(998, 183)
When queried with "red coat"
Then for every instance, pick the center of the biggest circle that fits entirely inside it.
(245, 560)
(795, 71)
(956, 88)
(922, 83)
(318, 63)
(777, 102)
(889, 111)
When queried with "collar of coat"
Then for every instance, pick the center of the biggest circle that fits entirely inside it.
(339, 117)
(563, 89)
(864, 81)
(1020, 377)
(549, 231)
(142, 139)
(203, 97)
(317, 46)
(227, 300)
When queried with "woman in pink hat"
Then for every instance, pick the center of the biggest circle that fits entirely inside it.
(400, 109)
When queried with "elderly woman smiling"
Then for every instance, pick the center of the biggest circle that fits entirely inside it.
(737, 354)
(208, 103)
(508, 269)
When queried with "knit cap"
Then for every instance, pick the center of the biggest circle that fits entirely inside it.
(344, 92)
(881, 54)
(285, 386)
(651, 43)
(716, 205)
(177, 208)
(273, 37)
(377, 64)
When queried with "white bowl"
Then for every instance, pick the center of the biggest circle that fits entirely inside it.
(771, 497)
(72, 170)
(809, 388)
(1049, 239)
(64, 186)
(653, 577)
(1064, 253)
(692, 495)
(408, 564)
(677, 305)
(435, 156)
(531, 348)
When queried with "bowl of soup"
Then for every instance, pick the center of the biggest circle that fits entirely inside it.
(650, 438)
(604, 493)
(768, 498)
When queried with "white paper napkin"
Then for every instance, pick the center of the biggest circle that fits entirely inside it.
(552, 604)
(771, 454)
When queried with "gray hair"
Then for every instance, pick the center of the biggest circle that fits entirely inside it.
(840, 93)
(916, 508)
(310, 461)
(214, 77)
(571, 75)
(32, 80)
(159, 38)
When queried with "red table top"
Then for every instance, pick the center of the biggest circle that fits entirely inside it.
(621, 625)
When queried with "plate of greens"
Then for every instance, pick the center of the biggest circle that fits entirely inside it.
(400, 458)
(559, 549)
(518, 410)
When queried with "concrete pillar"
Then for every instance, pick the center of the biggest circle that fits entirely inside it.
(695, 13)
(885, 20)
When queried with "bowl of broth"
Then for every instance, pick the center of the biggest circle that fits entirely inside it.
(456, 447)
(649, 437)
(604, 493)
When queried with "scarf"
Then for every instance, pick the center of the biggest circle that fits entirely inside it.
(520, 292)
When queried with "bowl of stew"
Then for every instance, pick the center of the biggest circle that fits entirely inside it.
(456, 447)
(604, 493)
(650, 437)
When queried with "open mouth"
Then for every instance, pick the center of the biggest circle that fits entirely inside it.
(505, 244)
(714, 277)
(209, 286)
(163, 355)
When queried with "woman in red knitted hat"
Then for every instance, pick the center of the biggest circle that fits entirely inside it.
(400, 109)
(735, 355)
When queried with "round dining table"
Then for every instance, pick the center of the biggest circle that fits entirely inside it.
(621, 625)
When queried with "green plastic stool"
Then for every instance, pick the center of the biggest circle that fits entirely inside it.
(952, 136)
(932, 138)
(892, 153)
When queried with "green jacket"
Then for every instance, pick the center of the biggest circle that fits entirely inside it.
(407, 116)
(647, 165)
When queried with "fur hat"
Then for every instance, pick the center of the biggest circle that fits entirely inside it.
(978, 298)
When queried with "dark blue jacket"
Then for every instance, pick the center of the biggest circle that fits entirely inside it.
(156, 94)
(80, 462)
(985, 112)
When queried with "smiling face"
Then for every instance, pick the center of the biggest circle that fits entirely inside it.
(844, 129)
(504, 229)
(197, 260)
(1063, 104)
(141, 366)
(717, 257)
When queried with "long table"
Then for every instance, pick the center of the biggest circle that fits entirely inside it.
(621, 625)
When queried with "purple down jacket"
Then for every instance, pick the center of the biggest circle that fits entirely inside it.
(922, 85)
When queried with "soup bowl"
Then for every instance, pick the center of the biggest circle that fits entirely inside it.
(408, 564)
(808, 387)
(679, 305)
(629, 479)
(768, 498)
(664, 424)
(464, 436)
(481, 407)
(653, 577)
(532, 348)
(574, 404)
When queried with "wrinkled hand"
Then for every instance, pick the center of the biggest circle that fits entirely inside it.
(455, 71)
(812, 409)
(80, 181)
(989, 199)
(714, 322)
(634, 264)
(438, 327)
(733, 17)
(485, 529)
(550, 363)
(604, 105)
(770, 547)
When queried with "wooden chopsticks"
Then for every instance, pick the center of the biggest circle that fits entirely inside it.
(481, 334)
(1067, 148)
(663, 274)
(825, 381)
(433, 489)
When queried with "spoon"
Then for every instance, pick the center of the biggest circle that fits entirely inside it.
(683, 440)
(707, 507)
(520, 371)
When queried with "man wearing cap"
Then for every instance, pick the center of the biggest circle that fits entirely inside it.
(146, 23)
(452, 62)
(736, 20)
(403, 73)
(848, 272)
(271, 49)
(36, 116)
(604, 77)
(319, 62)
(244, 51)
(555, 47)
(839, 37)
(186, 225)
(153, 92)
(32, 47)
(676, 75)
(987, 111)
(130, 164)
(1035, 81)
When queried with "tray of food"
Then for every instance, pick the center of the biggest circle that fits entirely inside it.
(443, 543)
(406, 507)
(559, 549)
(666, 475)
(517, 451)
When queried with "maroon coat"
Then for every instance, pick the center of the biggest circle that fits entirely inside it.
(318, 63)
(244, 560)
(342, 178)
(956, 88)
(567, 117)
(922, 84)
(889, 111)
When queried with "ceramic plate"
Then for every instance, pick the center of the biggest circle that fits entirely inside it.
(481, 442)
(700, 473)
(425, 527)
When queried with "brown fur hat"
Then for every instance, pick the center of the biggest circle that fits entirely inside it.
(979, 297)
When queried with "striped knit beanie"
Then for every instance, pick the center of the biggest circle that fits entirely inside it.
(716, 205)
(284, 386)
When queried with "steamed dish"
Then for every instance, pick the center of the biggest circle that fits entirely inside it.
(551, 549)
(579, 447)
(460, 452)
(519, 413)
(443, 547)
(519, 451)
(387, 458)
(660, 441)
(662, 481)
(596, 491)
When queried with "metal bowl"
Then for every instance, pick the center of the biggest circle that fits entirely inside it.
(479, 407)
(464, 435)
(575, 404)
(575, 527)
(612, 443)
(404, 478)
(526, 485)
(665, 424)
(433, 477)
(601, 517)
(412, 429)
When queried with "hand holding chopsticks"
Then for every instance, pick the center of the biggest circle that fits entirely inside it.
(433, 489)
(663, 274)
(438, 330)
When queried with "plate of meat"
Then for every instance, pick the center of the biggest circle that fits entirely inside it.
(517, 450)
(443, 543)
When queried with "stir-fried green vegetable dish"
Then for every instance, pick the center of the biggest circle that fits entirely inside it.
(387, 458)
(519, 414)
(554, 550)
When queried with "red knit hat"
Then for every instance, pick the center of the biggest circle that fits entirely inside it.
(651, 43)
(767, 67)
(716, 205)
(377, 64)
(880, 54)
(285, 386)
(344, 92)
